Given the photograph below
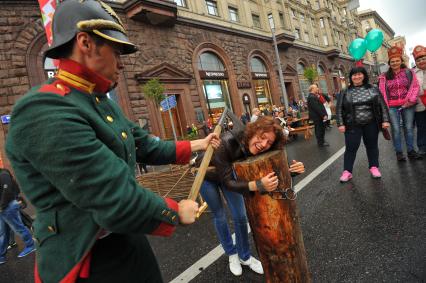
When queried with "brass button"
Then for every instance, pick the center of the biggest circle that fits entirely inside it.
(59, 86)
(124, 135)
(51, 229)
(173, 217)
(164, 212)
(97, 99)
(109, 118)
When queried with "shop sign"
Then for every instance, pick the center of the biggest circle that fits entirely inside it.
(5, 119)
(243, 84)
(213, 75)
(260, 76)
(50, 73)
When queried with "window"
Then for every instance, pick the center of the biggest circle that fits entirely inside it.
(180, 3)
(312, 22)
(293, 13)
(210, 62)
(297, 33)
(212, 8)
(257, 65)
(281, 15)
(256, 21)
(344, 11)
(302, 17)
(317, 40)
(233, 14)
(271, 21)
(324, 37)
(321, 22)
(367, 25)
(307, 39)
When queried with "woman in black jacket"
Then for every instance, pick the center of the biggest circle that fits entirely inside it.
(257, 137)
(361, 112)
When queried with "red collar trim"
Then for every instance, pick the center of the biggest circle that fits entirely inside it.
(78, 76)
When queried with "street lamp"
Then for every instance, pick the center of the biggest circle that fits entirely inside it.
(280, 71)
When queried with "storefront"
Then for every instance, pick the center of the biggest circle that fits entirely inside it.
(260, 80)
(215, 85)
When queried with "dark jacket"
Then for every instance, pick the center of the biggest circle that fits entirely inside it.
(9, 189)
(345, 111)
(229, 151)
(316, 109)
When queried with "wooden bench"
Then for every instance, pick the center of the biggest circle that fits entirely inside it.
(306, 130)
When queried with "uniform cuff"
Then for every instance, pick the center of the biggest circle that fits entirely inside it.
(183, 152)
(166, 229)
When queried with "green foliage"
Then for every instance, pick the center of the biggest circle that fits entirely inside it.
(154, 90)
(311, 74)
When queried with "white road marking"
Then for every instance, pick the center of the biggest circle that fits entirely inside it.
(217, 252)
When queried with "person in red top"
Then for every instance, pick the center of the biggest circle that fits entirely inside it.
(400, 88)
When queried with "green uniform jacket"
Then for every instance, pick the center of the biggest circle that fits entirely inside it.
(74, 155)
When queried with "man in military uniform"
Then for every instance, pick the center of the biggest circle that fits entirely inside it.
(74, 155)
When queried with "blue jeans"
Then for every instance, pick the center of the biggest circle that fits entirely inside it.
(10, 218)
(421, 130)
(407, 115)
(210, 191)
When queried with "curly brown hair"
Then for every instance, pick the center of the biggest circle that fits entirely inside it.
(261, 125)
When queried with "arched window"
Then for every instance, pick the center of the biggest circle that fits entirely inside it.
(257, 65)
(215, 84)
(208, 61)
(322, 80)
(260, 79)
(303, 82)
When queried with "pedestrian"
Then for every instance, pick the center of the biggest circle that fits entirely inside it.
(360, 113)
(279, 118)
(256, 114)
(317, 114)
(257, 137)
(10, 217)
(419, 55)
(400, 88)
(74, 154)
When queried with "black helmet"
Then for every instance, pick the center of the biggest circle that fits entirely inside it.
(73, 16)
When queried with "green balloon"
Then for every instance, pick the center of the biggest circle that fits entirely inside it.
(374, 39)
(357, 48)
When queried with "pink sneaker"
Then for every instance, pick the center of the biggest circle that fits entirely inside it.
(375, 173)
(346, 176)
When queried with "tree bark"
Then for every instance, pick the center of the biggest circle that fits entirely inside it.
(274, 222)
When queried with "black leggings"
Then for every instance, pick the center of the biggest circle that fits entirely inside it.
(370, 135)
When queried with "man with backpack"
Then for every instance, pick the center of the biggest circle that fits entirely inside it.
(10, 217)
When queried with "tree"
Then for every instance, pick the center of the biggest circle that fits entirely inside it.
(311, 74)
(154, 90)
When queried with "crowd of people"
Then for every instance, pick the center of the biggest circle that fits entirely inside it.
(364, 110)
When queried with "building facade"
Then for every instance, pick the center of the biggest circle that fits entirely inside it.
(372, 20)
(207, 54)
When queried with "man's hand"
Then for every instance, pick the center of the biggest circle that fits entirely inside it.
(202, 144)
(270, 182)
(187, 211)
(297, 167)
(342, 129)
(385, 125)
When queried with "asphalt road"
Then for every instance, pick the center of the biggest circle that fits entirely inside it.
(364, 231)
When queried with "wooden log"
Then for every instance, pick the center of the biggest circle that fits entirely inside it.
(274, 222)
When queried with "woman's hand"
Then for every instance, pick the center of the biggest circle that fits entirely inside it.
(385, 125)
(270, 182)
(342, 129)
(202, 144)
(297, 167)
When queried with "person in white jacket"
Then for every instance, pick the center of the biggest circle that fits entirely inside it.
(419, 55)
